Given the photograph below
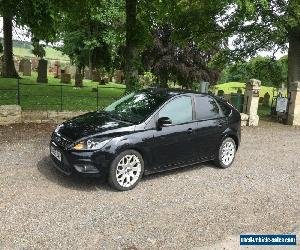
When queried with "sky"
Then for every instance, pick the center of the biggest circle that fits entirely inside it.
(20, 34)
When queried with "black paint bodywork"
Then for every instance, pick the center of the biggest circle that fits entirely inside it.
(162, 148)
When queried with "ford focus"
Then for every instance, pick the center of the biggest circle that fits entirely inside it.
(145, 132)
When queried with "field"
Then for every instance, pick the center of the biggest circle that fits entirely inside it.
(57, 96)
(51, 53)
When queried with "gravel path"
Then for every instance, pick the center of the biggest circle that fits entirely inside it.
(195, 207)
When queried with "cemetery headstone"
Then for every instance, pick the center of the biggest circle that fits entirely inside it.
(26, 68)
(239, 91)
(65, 78)
(220, 92)
(34, 63)
(87, 74)
(57, 69)
(42, 71)
(96, 77)
(266, 99)
(78, 80)
(21, 65)
(119, 76)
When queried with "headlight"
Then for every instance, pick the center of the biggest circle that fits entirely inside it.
(91, 144)
(58, 128)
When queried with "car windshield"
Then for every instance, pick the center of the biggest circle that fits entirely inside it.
(137, 106)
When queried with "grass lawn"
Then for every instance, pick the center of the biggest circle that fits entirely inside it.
(51, 53)
(232, 87)
(57, 96)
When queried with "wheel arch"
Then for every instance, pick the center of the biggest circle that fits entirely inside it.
(234, 137)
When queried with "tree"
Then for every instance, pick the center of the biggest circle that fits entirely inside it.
(271, 72)
(92, 39)
(131, 50)
(185, 65)
(266, 25)
(7, 9)
(35, 14)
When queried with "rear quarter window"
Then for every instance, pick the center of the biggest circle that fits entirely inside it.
(225, 107)
(206, 108)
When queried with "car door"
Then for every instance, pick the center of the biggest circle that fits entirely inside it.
(173, 145)
(210, 126)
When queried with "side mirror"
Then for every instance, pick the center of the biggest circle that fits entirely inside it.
(164, 122)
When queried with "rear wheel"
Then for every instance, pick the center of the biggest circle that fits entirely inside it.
(126, 170)
(226, 153)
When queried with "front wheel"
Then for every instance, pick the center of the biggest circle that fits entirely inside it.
(226, 153)
(126, 170)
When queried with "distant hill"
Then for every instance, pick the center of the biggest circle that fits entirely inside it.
(23, 49)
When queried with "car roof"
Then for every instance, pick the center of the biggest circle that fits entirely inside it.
(174, 91)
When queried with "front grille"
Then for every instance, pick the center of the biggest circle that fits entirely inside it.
(61, 141)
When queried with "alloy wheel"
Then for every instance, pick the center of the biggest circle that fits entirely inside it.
(228, 153)
(128, 170)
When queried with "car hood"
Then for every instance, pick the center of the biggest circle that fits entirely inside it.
(89, 124)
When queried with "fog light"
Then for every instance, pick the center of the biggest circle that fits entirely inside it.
(86, 168)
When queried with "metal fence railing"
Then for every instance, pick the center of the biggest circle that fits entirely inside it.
(59, 97)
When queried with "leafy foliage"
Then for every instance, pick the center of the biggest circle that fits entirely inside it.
(185, 65)
(271, 72)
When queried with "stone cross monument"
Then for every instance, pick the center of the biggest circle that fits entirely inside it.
(251, 100)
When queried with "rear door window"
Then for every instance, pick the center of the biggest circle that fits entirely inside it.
(206, 108)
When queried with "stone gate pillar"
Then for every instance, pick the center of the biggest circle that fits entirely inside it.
(294, 104)
(251, 100)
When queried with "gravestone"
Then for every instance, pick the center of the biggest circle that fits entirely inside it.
(204, 87)
(266, 100)
(26, 68)
(261, 100)
(87, 74)
(220, 92)
(34, 64)
(96, 77)
(57, 69)
(78, 80)
(42, 71)
(21, 65)
(239, 91)
(65, 78)
(103, 80)
(119, 76)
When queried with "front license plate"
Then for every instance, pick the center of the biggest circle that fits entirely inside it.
(55, 153)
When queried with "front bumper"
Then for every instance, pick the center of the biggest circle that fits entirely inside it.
(92, 163)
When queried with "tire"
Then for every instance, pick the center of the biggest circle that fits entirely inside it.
(126, 170)
(226, 153)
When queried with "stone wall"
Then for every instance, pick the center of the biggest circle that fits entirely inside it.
(10, 114)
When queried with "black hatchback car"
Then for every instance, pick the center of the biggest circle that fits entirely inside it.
(147, 131)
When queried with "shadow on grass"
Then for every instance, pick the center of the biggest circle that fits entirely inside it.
(88, 183)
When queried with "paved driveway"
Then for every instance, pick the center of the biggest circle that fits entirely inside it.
(198, 206)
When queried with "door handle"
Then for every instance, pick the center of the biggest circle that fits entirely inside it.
(190, 130)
